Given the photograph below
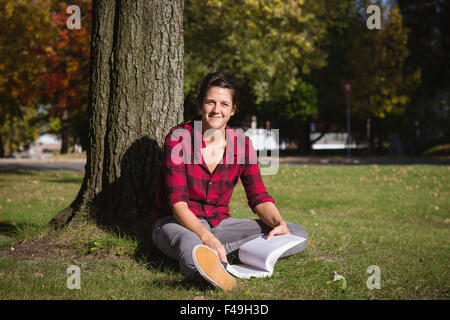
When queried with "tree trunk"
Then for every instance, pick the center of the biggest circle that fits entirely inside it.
(135, 97)
(2, 149)
(369, 136)
(65, 133)
(304, 138)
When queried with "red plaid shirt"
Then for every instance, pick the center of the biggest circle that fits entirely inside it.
(184, 175)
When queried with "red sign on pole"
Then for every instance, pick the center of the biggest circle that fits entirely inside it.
(347, 86)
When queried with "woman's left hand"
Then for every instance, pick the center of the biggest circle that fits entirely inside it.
(280, 229)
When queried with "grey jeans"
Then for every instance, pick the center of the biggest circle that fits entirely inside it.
(177, 242)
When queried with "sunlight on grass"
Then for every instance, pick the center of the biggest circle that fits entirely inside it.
(395, 217)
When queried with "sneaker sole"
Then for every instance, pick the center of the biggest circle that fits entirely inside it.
(210, 267)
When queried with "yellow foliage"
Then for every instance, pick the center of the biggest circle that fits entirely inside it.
(72, 66)
(9, 9)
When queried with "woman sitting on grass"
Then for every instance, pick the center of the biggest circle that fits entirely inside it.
(202, 163)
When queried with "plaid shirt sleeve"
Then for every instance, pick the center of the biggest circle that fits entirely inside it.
(175, 180)
(251, 179)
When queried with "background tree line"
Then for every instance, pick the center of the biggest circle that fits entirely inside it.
(288, 57)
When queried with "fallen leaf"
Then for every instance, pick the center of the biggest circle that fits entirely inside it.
(338, 277)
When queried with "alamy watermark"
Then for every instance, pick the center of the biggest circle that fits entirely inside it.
(374, 281)
(74, 21)
(74, 280)
(374, 20)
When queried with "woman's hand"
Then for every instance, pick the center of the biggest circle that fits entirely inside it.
(211, 241)
(270, 215)
(280, 229)
(187, 219)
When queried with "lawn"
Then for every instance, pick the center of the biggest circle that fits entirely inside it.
(393, 217)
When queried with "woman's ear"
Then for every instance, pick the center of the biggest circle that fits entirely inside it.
(233, 112)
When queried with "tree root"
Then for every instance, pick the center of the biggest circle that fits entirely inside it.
(63, 218)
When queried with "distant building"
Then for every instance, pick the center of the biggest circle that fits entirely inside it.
(263, 139)
(43, 146)
(334, 140)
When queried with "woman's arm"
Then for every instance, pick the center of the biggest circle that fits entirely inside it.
(189, 220)
(269, 214)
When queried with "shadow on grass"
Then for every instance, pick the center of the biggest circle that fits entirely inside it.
(124, 206)
(4, 172)
(65, 180)
(24, 172)
(8, 229)
(156, 260)
(18, 229)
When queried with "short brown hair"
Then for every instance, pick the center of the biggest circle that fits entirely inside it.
(218, 79)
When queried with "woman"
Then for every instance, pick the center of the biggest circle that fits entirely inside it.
(202, 163)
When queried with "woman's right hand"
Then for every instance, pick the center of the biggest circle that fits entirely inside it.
(211, 241)
(187, 219)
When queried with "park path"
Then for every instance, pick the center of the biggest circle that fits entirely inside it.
(47, 164)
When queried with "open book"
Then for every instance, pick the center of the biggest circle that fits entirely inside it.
(260, 255)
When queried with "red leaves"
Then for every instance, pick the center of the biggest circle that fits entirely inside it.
(66, 76)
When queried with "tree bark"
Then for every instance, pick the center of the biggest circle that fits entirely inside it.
(65, 133)
(369, 136)
(135, 97)
(2, 149)
(304, 138)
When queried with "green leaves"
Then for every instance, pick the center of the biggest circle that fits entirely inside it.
(376, 62)
(267, 43)
(95, 245)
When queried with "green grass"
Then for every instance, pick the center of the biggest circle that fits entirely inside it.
(395, 217)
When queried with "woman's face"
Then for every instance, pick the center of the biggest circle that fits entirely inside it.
(217, 108)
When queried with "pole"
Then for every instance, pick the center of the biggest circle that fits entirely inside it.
(349, 153)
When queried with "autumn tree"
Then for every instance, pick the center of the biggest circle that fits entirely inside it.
(21, 67)
(67, 71)
(135, 96)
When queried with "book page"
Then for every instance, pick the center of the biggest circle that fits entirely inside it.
(260, 255)
(245, 271)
